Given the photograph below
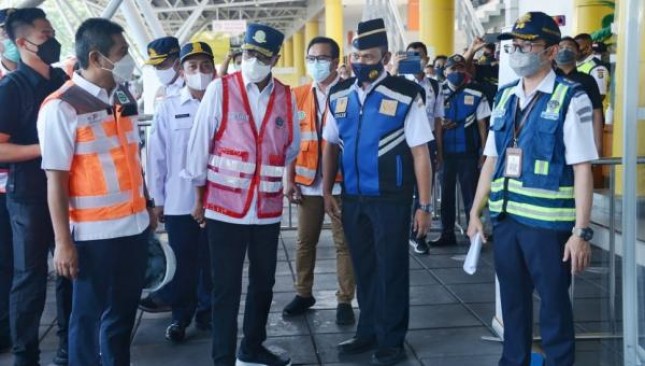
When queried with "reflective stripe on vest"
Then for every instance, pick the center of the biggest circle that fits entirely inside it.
(245, 161)
(534, 212)
(544, 195)
(308, 162)
(105, 181)
(515, 186)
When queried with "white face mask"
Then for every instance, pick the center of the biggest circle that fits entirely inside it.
(166, 76)
(527, 64)
(123, 69)
(198, 81)
(254, 71)
(319, 70)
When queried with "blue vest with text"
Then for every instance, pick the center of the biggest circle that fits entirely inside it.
(543, 196)
(461, 107)
(376, 160)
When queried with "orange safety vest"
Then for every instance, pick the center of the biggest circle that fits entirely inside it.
(308, 163)
(105, 180)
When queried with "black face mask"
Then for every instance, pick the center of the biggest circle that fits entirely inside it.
(49, 51)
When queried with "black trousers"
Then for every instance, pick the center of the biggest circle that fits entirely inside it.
(229, 244)
(33, 238)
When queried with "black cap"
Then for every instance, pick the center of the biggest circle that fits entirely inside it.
(162, 48)
(455, 60)
(195, 48)
(370, 34)
(532, 26)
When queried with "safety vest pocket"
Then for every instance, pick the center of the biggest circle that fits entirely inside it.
(545, 140)
(87, 177)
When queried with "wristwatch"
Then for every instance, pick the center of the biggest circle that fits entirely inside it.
(585, 233)
(426, 208)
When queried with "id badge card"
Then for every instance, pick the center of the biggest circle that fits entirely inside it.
(513, 168)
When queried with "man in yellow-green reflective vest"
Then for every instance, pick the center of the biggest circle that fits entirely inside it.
(537, 177)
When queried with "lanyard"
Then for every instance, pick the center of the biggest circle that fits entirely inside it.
(317, 107)
(523, 116)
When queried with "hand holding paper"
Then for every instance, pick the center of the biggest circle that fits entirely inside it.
(470, 264)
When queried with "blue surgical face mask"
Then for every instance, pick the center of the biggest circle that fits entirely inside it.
(319, 70)
(10, 51)
(367, 73)
(456, 78)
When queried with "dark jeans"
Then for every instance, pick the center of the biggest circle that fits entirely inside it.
(377, 235)
(525, 259)
(106, 295)
(432, 148)
(6, 271)
(33, 238)
(466, 170)
(190, 289)
(229, 243)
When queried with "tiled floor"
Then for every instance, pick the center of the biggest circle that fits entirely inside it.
(450, 312)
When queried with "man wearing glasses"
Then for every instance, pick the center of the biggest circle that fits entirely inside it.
(538, 176)
(304, 185)
(244, 136)
(378, 128)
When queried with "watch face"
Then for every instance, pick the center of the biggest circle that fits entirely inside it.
(586, 234)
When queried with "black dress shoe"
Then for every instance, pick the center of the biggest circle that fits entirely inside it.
(444, 241)
(176, 332)
(345, 314)
(388, 356)
(356, 345)
(298, 305)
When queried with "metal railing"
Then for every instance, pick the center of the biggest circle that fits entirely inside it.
(612, 163)
(468, 20)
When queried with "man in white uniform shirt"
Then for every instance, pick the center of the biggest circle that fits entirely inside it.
(189, 292)
(245, 134)
(377, 127)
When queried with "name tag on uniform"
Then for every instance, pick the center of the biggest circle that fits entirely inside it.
(513, 168)
(341, 105)
(388, 107)
(469, 100)
(185, 115)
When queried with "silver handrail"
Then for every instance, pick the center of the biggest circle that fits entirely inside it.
(612, 163)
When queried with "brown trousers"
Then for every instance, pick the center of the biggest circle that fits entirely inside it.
(311, 213)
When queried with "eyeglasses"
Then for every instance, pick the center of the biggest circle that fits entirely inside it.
(312, 59)
(524, 47)
(249, 54)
